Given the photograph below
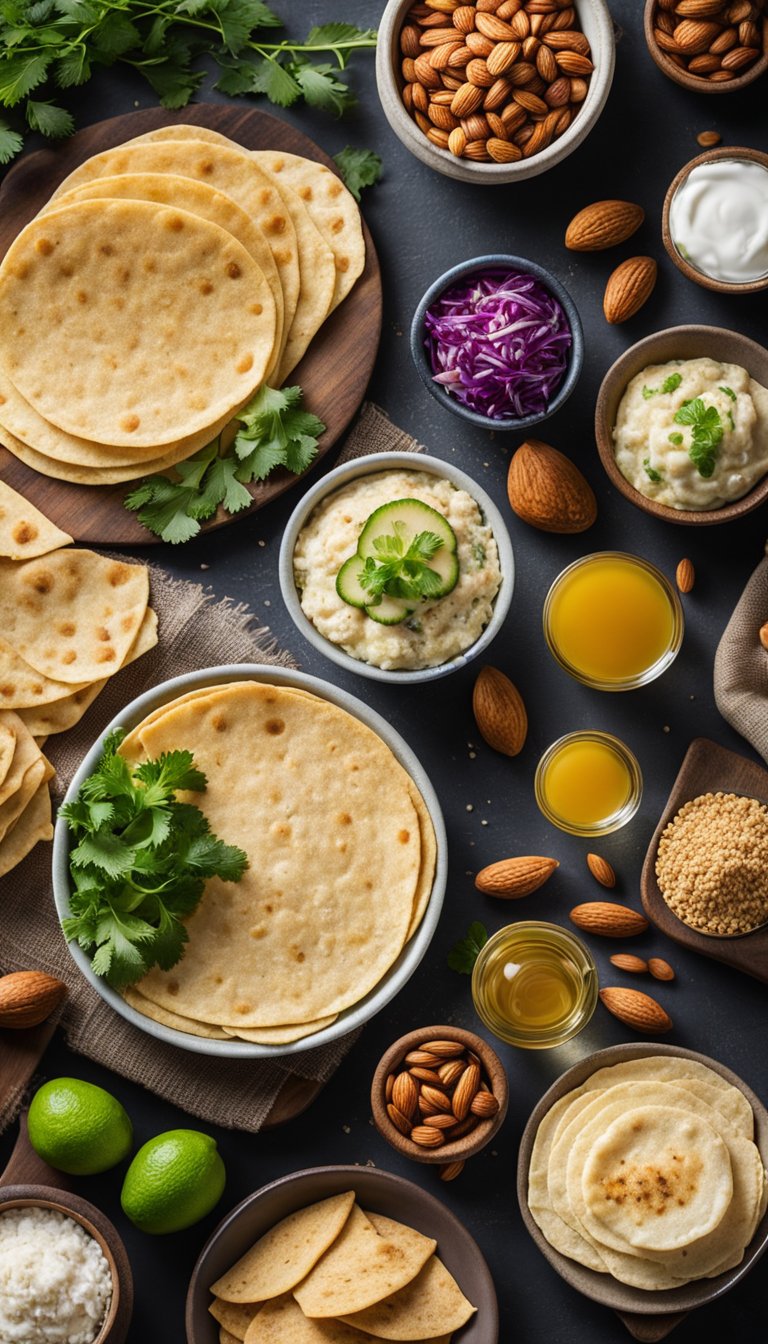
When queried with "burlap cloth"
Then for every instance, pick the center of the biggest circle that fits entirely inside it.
(741, 664)
(195, 631)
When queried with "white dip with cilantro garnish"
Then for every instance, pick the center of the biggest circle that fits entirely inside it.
(432, 630)
(55, 1283)
(692, 433)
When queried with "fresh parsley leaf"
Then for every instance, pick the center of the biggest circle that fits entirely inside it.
(48, 119)
(729, 392)
(139, 862)
(464, 954)
(11, 143)
(649, 392)
(707, 432)
(675, 438)
(277, 83)
(321, 88)
(672, 382)
(359, 168)
(20, 74)
(651, 472)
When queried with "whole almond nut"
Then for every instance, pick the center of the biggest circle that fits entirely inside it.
(742, 9)
(487, 6)
(422, 1057)
(479, 45)
(685, 576)
(429, 20)
(565, 19)
(465, 1091)
(542, 135)
(484, 1105)
(738, 58)
(573, 63)
(405, 1094)
(567, 41)
(698, 9)
(388, 1086)
(547, 490)
(497, 95)
(427, 1136)
(464, 1127)
(409, 40)
(426, 73)
(660, 969)
(720, 76)
(531, 46)
(425, 1075)
(512, 878)
(579, 89)
(459, 58)
(451, 1170)
(440, 1120)
(440, 58)
(564, 117)
(708, 139)
(499, 712)
(513, 117)
(603, 224)
(636, 1010)
(442, 6)
(628, 288)
(546, 65)
(464, 18)
(704, 65)
(727, 39)
(437, 37)
(436, 1099)
(520, 24)
(407, 96)
(509, 8)
(438, 137)
(478, 73)
(27, 998)
(400, 1121)
(477, 151)
(457, 141)
(408, 69)
(608, 919)
(441, 97)
(626, 962)
(450, 1072)
(559, 92)
(503, 151)
(601, 870)
(496, 29)
(466, 100)
(496, 126)
(445, 1049)
(453, 79)
(665, 22)
(530, 102)
(475, 127)
(694, 35)
(442, 117)
(504, 55)
(749, 34)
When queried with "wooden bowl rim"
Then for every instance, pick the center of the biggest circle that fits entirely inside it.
(695, 82)
(603, 437)
(96, 1224)
(469, 1144)
(690, 272)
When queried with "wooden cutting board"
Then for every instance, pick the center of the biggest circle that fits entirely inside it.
(334, 373)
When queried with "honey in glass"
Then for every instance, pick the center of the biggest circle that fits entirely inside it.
(534, 984)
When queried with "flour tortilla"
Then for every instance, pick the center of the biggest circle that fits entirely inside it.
(22, 686)
(362, 1267)
(130, 323)
(7, 743)
(212, 1031)
(428, 861)
(33, 825)
(234, 1317)
(288, 943)
(24, 531)
(283, 1322)
(104, 475)
(186, 193)
(12, 809)
(431, 1304)
(26, 753)
(286, 1254)
(690, 1073)
(226, 170)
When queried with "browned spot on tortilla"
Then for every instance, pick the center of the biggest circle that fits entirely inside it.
(102, 634)
(69, 657)
(24, 532)
(206, 287)
(233, 270)
(342, 264)
(67, 628)
(244, 364)
(334, 189)
(130, 422)
(276, 224)
(220, 723)
(44, 246)
(106, 249)
(206, 167)
(306, 193)
(337, 225)
(404, 837)
(275, 727)
(42, 581)
(7, 690)
(118, 575)
(242, 1008)
(173, 986)
(345, 819)
(81, 296)
(106, 655)
(257, 309)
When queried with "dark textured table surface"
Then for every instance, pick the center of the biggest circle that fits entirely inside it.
(422, 223)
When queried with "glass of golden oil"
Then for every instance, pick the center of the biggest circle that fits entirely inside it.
(534, 985)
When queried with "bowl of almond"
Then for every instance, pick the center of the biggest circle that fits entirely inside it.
(439, 1095)
(709, 46)
(498, 90)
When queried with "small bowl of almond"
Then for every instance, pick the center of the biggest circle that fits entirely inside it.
(708, 46)
(496, 90)
(439, 1095)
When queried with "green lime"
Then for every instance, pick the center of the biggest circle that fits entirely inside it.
(77, 1127)
(173, 1181)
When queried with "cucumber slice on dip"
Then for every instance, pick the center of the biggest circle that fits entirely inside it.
(389, 611)
(348, 584)
(414, 517)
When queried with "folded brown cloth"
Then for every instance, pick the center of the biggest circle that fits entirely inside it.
(194, 631)
(741, 664)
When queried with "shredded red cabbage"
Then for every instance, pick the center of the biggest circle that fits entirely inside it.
(499, 343)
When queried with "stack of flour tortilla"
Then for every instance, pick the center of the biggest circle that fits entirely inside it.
(650, 1172)
(332, 1273)
(341, 853)
(162, 285)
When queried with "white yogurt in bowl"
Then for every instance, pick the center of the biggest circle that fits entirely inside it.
(718, 220)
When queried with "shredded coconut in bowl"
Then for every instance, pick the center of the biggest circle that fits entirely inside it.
(55, 1282)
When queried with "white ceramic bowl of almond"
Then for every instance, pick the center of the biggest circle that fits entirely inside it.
(350, 520)
(519, 84)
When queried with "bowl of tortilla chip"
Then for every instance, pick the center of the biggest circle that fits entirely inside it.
(348, 1254)
(347, 862)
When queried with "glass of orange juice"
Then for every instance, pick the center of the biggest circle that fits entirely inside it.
(613, 621)
(588, 783)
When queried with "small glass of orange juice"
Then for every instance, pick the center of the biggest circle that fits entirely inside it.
(588, 783)
(613, 621)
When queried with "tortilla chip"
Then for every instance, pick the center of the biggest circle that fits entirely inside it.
(431, 1304)
(362, 1267)
(286, 1254)
(234, 1317)
(283, 1322)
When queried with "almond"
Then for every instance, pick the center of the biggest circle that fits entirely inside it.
(603, 224)
(558, 93)
(547, 490)
(626, 962)
(435, 1098)
(503, 151)
(685, 576)
(400, 1121)
(457, 142)
(693, 35)
(484, 1105)
(425, 1075)
(467, 99)
(636, 1010)
(405, 1095)
(698, 9)
(465, 1091)
(424, 1057)
(427, 1136)
(495, 29)
(511, 878)
(477, 72)
(601, 870)
(27, 998)
(389, 1086)
(445, 1049)
(660, 969)
(451, 1170)
(499, 712)
(464, 18)
(504, 55)
(628, 288)
(573, 63)
(608, 919)
(738, 57)
(441, 1120)
(451, 1072)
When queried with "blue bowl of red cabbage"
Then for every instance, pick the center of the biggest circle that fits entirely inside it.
(498, 340)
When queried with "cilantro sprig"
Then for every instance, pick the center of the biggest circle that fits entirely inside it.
(464, 954)
(402, 571)
(139, 862)
(706, 433)
(274, 432)
(359, 168)
(50, 46)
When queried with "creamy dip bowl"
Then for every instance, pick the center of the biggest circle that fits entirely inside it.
(436, 635)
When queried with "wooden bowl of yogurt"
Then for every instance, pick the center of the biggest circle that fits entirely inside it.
(713, 221)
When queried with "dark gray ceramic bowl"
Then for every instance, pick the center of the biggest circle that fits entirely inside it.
(501, 261)
(602, 1287)
(377, 1190)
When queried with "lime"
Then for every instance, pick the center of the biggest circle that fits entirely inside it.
(77, 1127)
(173, 1181)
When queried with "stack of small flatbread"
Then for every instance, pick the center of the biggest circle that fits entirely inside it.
(650, 1172)
(342, 858)
(332, 1274)
(165, 281)
(69, 620)
(25, 800)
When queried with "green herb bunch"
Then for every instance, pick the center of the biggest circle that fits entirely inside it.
(52, 45)
(706, 433)
(402, 571)
(140, 862)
